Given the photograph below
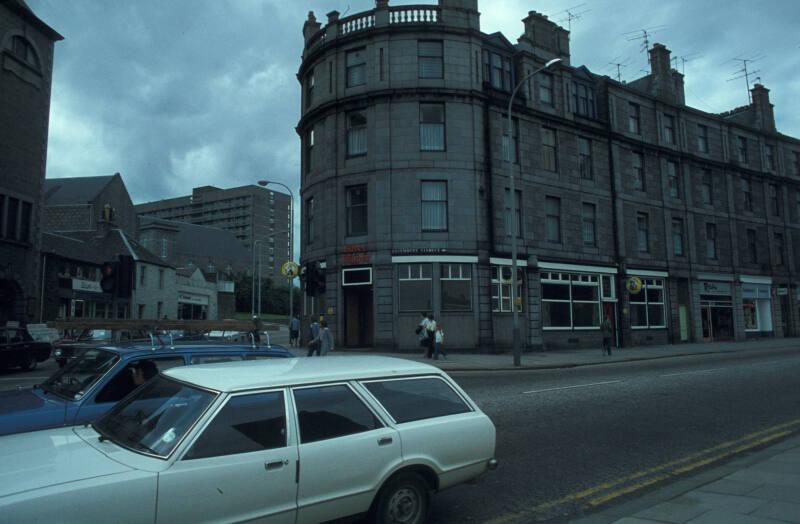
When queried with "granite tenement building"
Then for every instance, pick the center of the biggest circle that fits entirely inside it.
(677, 224)
(26, 69)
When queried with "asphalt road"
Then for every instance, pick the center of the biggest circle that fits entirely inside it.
(573, 441)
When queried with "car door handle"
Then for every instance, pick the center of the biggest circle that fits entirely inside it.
(385, 441)
(278, 464)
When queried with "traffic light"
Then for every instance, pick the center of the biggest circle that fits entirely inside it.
(320, 273)
(309, 276)
(125, 276)
(108, 282)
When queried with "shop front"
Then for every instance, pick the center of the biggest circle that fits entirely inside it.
(716, 310)
(647, 303)
(192, 306)
(757, 306)
(80, 298)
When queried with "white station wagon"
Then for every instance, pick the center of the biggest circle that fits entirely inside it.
(277, 441)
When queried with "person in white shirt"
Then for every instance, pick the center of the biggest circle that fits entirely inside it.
(438, 342)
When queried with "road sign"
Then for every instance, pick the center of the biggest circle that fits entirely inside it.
(290, 269)
(634, 285)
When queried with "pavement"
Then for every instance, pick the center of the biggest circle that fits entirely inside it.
(760, 487)
(569, 358)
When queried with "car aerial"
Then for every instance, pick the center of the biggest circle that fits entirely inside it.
(276, 441)
(100, 376)
(18, 349)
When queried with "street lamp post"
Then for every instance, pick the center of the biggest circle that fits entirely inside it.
(514, 313)
(253, 282)
(265, 183)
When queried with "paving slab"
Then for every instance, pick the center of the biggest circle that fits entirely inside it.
(676, 512)
(731, 487)
(783, 511)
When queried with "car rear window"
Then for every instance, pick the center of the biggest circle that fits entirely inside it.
(214, 359)
(407, 400)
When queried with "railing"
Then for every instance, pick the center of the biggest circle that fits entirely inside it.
(414, 14)
(357, 22)
(317, 39)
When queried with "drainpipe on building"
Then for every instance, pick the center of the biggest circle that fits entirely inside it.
(614, 223)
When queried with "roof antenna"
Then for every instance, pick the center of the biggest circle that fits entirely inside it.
(619, 65)
(644, 37)
(683, 59)
(745, 73)
(572, 14)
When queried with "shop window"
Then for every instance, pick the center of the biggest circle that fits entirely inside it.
(434, 205)
(570, 301)
(634, 118)
(647, 306)
(357, 210)
(430, 56)
(750, 314)
(501, 288)
(431, 127)
(356, 61)
(414, 287)
(456, 282)
(356, 133)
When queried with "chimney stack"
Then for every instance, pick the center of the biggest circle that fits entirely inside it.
(660, 60)
(311, 26)
(764, 112)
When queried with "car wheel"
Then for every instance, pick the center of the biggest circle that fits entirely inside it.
(403, 500)
(29, 364)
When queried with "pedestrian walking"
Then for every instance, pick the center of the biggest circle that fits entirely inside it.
(324, 341)
(438, 342)
(313, 339)
(605, 328)
(294, 331)
(431, 330)
(422, 332)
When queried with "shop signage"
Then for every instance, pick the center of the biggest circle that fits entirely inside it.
(86, 285)
(421, 251)
(783, 291)
(715, 288)
(634, 285)
(355, 254)
(186, 298)
(755, 291)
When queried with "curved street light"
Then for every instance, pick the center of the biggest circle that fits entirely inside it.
(514, 313)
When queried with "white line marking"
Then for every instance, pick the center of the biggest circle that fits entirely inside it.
(571, 387)
(692, 372)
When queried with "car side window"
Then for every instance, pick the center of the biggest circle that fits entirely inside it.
(133, 375)
(247, 423)
(259, 357)
(213, 359)
(407, 400)
(327, 412)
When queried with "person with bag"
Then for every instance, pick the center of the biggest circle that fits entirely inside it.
(438, 342)
(324, 340)
(422, 331)
(430, 329)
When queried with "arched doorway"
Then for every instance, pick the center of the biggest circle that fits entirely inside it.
(11, 301)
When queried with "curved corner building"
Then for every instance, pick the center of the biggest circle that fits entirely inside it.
(627, 199)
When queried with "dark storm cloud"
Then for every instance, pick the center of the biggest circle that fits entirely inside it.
(179, 93)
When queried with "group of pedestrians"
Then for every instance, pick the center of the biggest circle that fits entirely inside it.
(431, 336)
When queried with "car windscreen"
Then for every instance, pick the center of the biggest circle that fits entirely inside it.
(74, 380)
(155, 418)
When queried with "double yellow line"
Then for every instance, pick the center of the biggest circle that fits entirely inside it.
(608, 491)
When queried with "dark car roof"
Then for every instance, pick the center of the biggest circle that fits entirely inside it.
(137, 349)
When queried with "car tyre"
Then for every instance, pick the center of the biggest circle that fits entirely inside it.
(404, 499)
(29, 364)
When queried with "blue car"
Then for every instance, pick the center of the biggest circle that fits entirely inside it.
(92, 383)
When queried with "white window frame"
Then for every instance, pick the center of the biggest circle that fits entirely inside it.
(575, 280)
(413, 273)
(501, 289)
(457, 275)
(347, 271)
(651, 283)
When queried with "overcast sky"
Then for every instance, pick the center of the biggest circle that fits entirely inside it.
(179, 93)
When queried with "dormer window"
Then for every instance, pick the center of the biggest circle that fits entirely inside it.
(497, 70)
(583, 99)
(21, 48)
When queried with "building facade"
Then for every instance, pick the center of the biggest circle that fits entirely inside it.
(257, 216)
(26, 68)
(677, 224)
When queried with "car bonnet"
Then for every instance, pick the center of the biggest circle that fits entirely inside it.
(25, 410)
(49, 458)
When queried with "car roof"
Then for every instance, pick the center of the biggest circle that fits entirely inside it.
(138, 349)
(244, 375)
